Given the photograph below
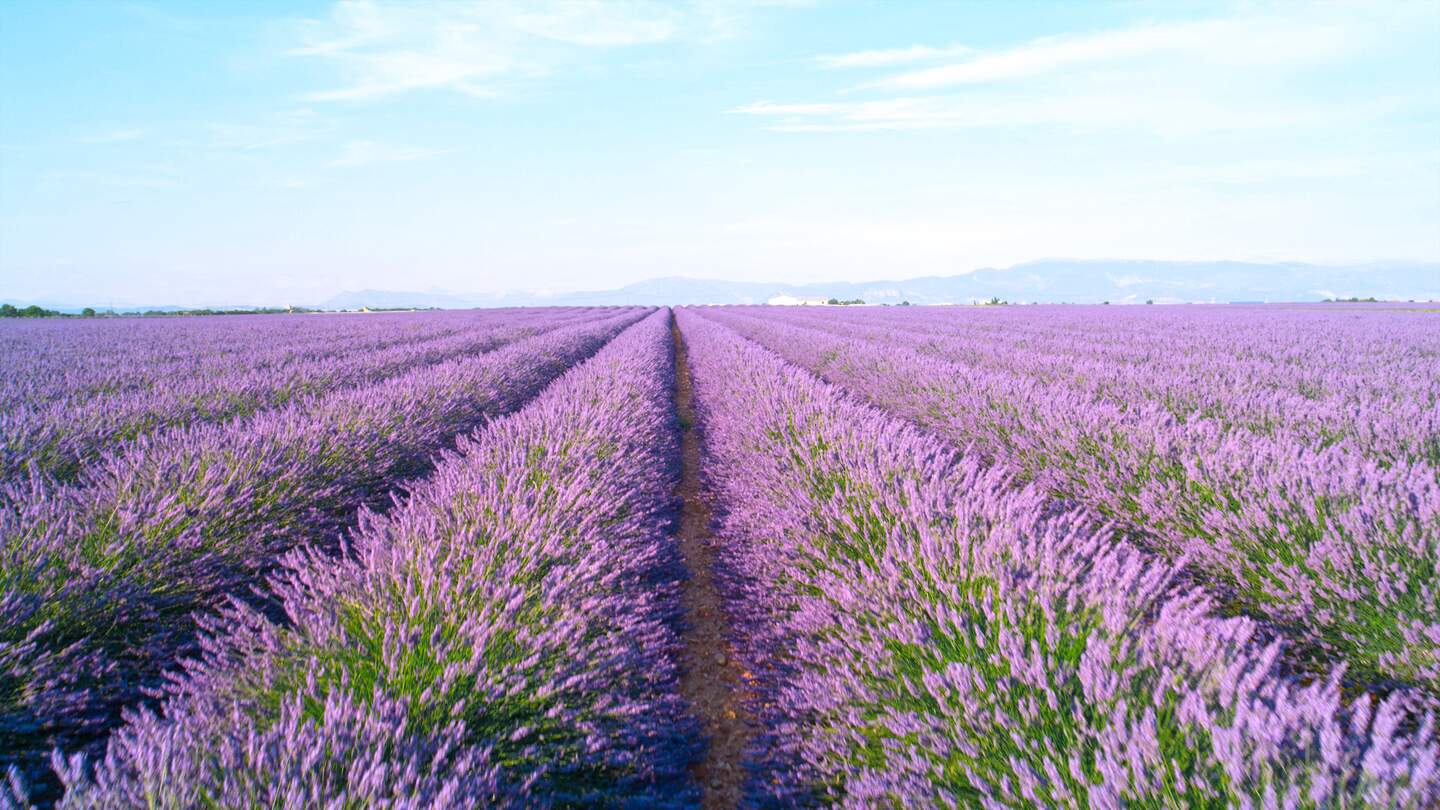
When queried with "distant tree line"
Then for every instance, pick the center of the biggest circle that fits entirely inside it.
(836, 302)
(155, 313)
(32, 311)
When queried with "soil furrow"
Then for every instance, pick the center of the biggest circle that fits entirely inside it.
(711, 678)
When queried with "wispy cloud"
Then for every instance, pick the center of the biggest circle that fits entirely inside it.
(596, 24)
(1225, 74)
(355, 154)
(889, 57)
(1152, 110)
(1227, 41)
(384, 49)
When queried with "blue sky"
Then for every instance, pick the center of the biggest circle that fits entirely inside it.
(268, 152)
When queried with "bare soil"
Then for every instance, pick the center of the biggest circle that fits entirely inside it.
(711, 679)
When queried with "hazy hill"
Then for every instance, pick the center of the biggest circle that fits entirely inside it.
(1051, 280)
(1045, 281)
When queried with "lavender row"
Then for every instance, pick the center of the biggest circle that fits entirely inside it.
(124, 356)
(1332, 547)
(99, 585)
(1271, 371)
(925, 632)
(501, 638)
(78, 360)
(59, 437)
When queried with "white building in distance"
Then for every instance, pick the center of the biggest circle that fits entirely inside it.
(792, 301)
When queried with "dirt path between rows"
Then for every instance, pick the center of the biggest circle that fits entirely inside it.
(711, 678)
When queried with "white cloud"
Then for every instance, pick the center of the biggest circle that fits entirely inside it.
(1238, 41)
(1152, 110)
(355, 154)
(595, 24)
(389, 48)
(1239, 73)
(892, 56)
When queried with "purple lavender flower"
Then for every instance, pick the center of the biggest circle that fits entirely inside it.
(108, 575)
(928, 631)
(502, 637)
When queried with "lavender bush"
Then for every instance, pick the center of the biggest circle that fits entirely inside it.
(502, 638)
(928, 633)
(1304, 491)
(1291, 368)
(1070, 557)
(57, 436)
(101, 580)
(82, 360)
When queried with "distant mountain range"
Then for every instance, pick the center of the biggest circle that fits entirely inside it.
(1047, 281)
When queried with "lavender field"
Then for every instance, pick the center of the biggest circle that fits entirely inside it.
(1090, 557)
